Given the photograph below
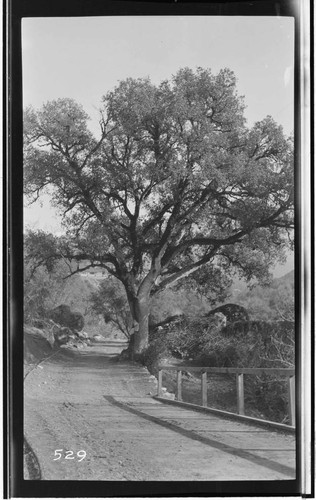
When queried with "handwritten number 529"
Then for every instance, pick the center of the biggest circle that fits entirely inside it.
(81, 454)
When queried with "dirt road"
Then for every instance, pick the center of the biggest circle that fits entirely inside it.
(84, 401)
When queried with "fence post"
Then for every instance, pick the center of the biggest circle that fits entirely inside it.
(204, 388)
(179, 388)
(159, 383)
(240, 393)
(291, 390)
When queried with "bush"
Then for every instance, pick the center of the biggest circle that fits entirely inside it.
(253, 344)
(266, 395)
(110, 301)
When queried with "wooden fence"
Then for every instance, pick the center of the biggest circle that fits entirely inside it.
(288, 373)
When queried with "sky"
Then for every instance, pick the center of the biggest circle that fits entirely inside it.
(84, 58)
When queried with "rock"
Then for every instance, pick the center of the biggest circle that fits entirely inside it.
(232, 312)
(220, 319)
(83, 335)
(98, 338)
(64, 316)
(62, 335)
(169, 395)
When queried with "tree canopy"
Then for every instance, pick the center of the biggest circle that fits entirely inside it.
(175, 181)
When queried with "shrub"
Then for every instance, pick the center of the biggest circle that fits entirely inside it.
(253, 344)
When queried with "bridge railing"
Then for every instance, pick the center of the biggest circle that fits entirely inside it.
(288, 373)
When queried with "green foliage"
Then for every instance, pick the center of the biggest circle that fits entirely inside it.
(40, 250)
(48, 284)
(109, 300)
(245, 344)
(173, 161)
(176, 301)
(42, 289)
(209, 282)
(253, 344)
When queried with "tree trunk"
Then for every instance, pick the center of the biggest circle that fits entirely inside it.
(141, 334)
(139, 302)
(139, 306)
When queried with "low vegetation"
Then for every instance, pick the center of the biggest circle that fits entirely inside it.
(46, 289)
(253, 343)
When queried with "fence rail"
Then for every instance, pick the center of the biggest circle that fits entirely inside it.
(288, 373)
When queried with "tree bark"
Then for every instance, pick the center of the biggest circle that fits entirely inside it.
(139, 304)
(141, 333)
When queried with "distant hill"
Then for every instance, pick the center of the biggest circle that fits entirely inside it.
(267, 303)
(286, 278)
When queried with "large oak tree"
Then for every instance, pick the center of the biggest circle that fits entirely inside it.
(176, 181)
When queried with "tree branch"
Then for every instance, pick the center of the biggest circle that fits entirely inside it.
(186, 271)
